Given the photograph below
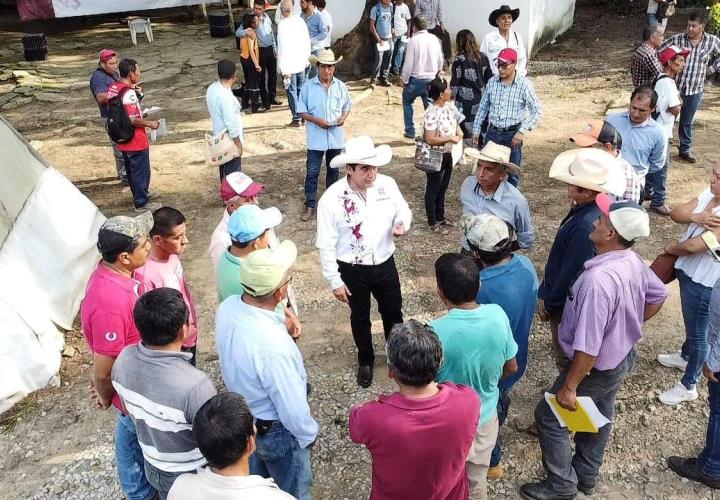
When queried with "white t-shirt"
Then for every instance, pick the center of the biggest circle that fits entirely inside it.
(701, 267)
(400, 21)
(211, 486)
(668, 97)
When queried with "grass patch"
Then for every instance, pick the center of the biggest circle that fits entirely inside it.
(22, 409)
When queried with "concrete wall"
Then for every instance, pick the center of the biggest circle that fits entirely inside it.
(540, 22)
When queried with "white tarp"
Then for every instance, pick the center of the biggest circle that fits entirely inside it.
(70, 8)
(47, 252)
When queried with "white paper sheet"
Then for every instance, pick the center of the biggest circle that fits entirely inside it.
(383, 46)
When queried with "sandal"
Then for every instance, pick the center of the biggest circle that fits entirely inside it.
(438, 229)
(446, 223)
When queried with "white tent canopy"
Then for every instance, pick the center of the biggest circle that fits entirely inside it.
(48, 231)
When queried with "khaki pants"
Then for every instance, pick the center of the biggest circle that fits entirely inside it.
(478, 460)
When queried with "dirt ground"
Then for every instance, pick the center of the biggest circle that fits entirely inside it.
(56, 445)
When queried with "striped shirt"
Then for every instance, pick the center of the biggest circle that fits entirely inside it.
(703, 60)
(162, 392)
(509, 105)
(645, 65)
(633, 182)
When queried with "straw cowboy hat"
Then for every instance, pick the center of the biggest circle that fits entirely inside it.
(326, 56)
(504, 9)
(590, 168)
(362, 151)
(495, 153)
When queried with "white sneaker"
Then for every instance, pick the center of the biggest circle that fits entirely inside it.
(673, 360)
(678, 394)
(150, 206)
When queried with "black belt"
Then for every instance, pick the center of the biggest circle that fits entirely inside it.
(506, 129)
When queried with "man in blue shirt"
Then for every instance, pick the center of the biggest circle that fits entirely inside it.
(268, 54)
(381, 27)
(260, 361)
(105, 75)
(324, 104)
(643, 139)
(509, 281)
(224, 110)
(316, 28)
(478, 350)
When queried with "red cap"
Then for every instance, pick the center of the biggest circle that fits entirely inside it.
(507, 56)
(106, 54)
(603, 201)
(670, 53)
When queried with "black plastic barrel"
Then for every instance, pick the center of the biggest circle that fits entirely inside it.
(219, 24)
(35, 46)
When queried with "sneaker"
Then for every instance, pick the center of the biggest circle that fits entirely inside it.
(438, 229)
(678, 394)
(496, 472)
(150, 206)
(308, 214)
(673, 360)
(152, 196)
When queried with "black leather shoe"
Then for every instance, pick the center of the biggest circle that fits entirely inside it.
(364, 376)
(586, 488)
(541, 491)
(687, 157)
(688, 467)
(276, 102)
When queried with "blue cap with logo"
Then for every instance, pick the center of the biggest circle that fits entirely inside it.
(250, 221)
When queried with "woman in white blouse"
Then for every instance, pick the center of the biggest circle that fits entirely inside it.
(503, 38)
(441, 125)
(697, 269)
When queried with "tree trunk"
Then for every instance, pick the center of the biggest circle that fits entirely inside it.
(357, 47)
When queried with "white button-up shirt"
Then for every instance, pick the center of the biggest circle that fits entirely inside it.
(494, 42)
(423, 57)
(358, 231)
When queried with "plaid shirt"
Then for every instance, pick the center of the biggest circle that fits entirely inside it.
(703, 60)
(634, 183)
(508, 105)
(645, 65)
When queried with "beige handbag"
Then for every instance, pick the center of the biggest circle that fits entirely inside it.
(220, 149)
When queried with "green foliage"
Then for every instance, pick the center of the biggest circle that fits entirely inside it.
(713, 25)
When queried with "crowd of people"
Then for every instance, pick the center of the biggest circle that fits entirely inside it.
(437, 436)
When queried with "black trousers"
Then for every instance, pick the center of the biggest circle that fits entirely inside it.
(435, 189)
(251, 92)
(268, 75)
(383, 282)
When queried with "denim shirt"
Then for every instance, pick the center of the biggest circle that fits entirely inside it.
(329, 106)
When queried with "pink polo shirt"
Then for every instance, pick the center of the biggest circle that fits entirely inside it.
(419, 446)
(106, 314)
(170, 274)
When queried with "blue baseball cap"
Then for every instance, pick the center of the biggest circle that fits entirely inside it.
(250, 221)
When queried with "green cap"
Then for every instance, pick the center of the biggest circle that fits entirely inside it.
(264, 270)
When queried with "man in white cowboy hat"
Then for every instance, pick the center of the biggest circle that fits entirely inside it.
(358, 219)
(324, 104)
(503, 38)
(604, 314)
(489, 192)
(587, 172)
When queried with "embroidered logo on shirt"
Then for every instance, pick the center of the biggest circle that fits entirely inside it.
(111, 336)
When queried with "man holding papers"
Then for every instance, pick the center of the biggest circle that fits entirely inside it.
(602, 320)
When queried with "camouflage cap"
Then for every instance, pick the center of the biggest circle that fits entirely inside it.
(118, 233)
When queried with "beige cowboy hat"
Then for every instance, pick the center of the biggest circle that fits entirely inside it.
(326, 56)
(361, 150)
(590, 168)
(495, 153)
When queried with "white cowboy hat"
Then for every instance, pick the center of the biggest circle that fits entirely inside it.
(326, 56)
(362, 151)
(590, 168)
(495, 153)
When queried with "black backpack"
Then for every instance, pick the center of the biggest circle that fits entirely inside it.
(118, 124)
(655, 114)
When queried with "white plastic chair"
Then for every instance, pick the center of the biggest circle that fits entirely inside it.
(138, 25)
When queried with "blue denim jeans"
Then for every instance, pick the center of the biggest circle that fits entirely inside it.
(278, 455)
(381, 65)
(505, 139)
(563, 468)
(130, 462)
(656, 182)
(293, 94)
(160, 480)
(229, 167)
(690, 105)
(314, 165)
(652, 19)
(414, 89)
(695, 304)
(709, 459)
(137, 165)
(503, 407)
(399, 55)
